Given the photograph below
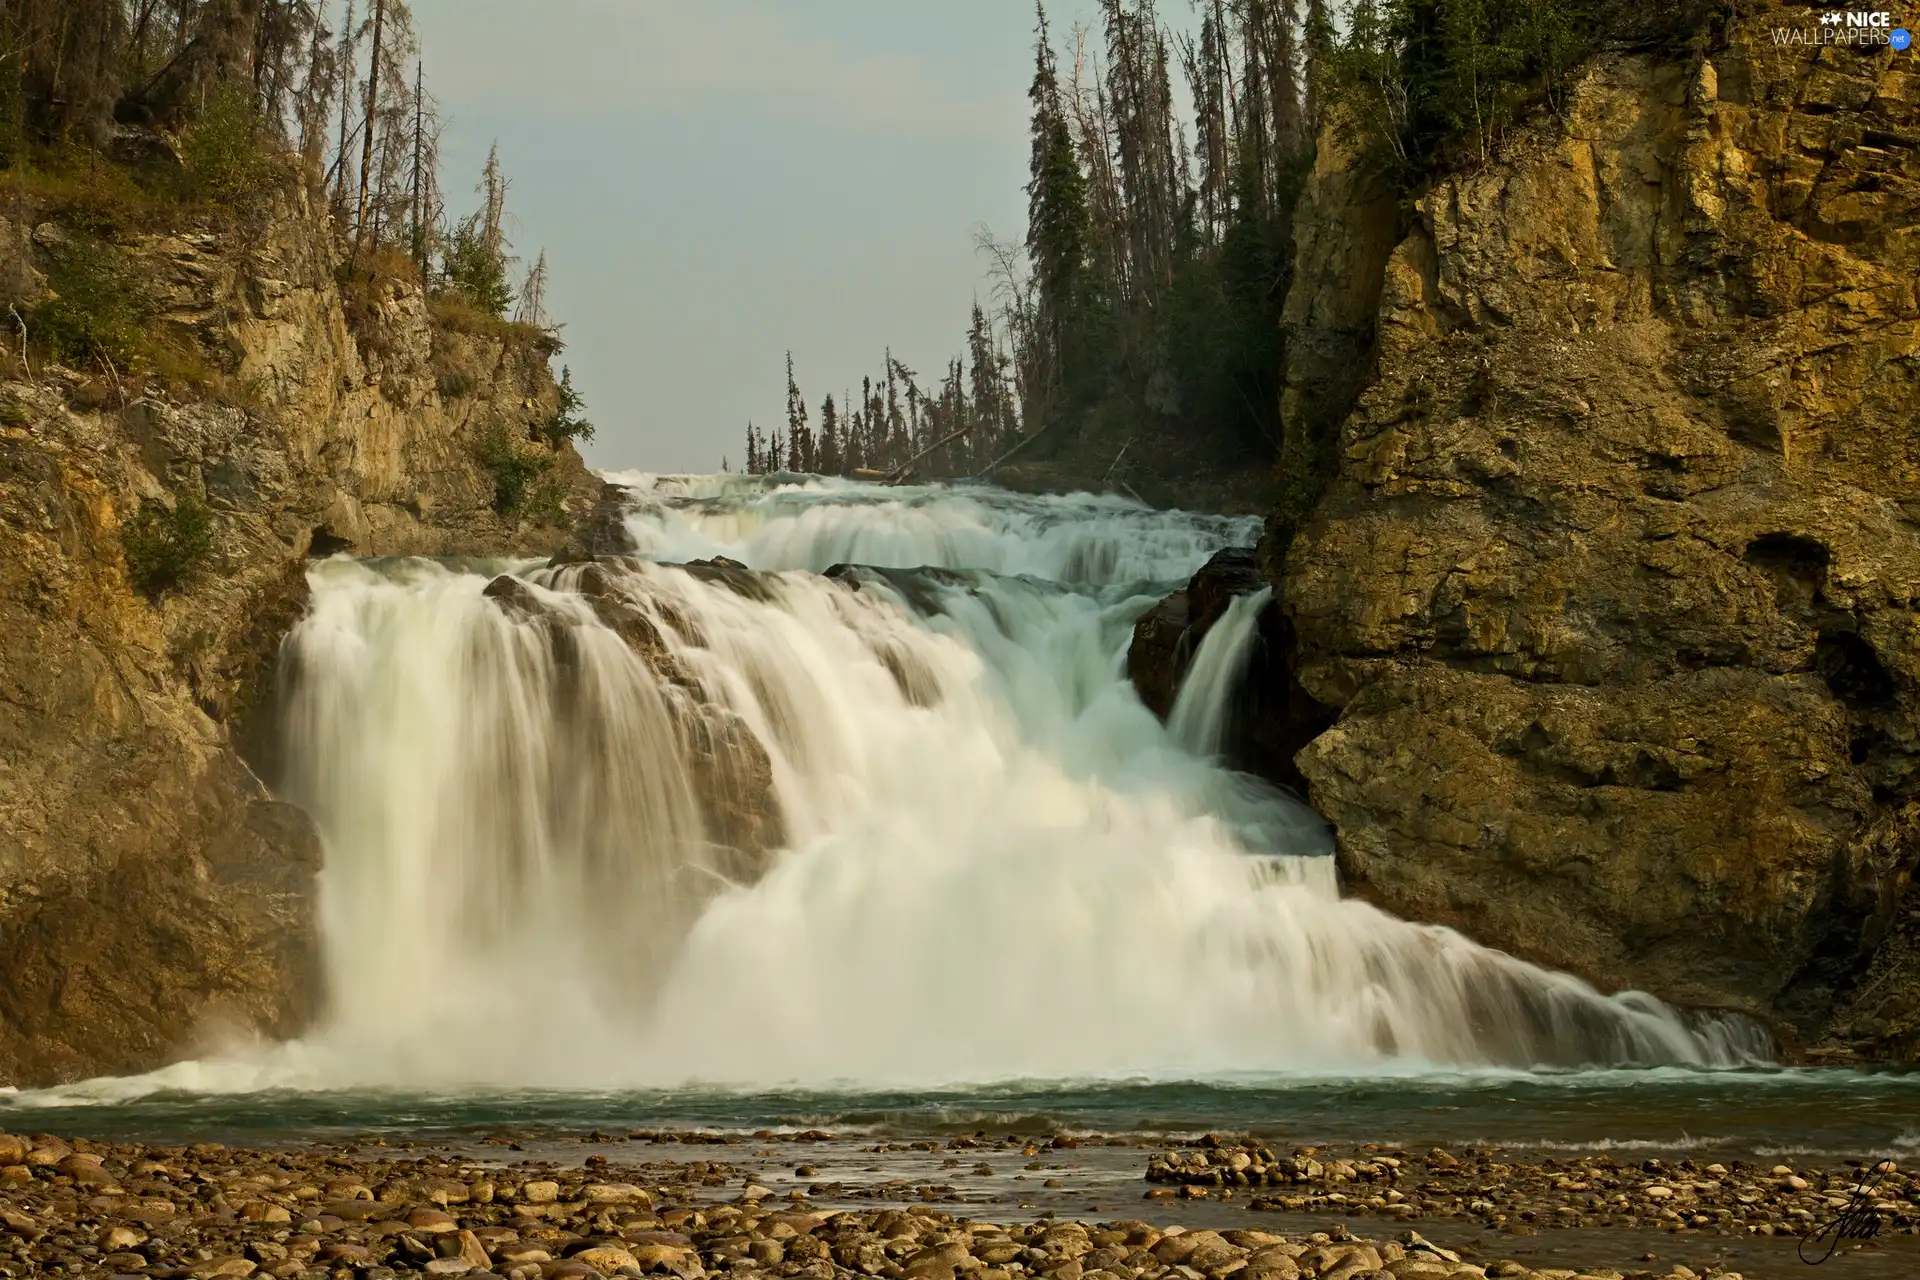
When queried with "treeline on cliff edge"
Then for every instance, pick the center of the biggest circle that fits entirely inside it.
(123, 115)
(1165, 169)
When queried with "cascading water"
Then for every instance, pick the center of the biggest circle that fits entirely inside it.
(1203, 709)
(986, 859)
(1078, 539)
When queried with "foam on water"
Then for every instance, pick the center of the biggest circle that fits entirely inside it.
(797, 522)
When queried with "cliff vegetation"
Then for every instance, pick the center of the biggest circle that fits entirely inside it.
(240, 331)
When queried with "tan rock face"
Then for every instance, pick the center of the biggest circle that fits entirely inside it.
(154, 897)
(1619, 585)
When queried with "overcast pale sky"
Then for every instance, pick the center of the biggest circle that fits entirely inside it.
(716, 181)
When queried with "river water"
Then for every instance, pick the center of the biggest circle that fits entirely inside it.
(1007, 897)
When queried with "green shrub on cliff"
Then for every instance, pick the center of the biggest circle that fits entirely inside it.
(1426, 83)
(519, 469)
(95, 307)
(98, 316)
(223, 161)
(163, 548)
(478, 274)
(569, 422)
(475, 262)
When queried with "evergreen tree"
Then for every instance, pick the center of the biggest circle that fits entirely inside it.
(800, 443)
(830, 447)
(988, 387)
(475, 262)
(1057, 222)
(369, 131)
(344, 58)
(870, 452)
(893, 423)
(1319, 57)
(532, 307)
(853, 435)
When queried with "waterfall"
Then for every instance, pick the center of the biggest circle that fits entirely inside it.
(1203, 710)
(637, 823)
(817, 523)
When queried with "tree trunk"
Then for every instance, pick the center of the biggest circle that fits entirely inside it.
(372, 117)
(419, 127)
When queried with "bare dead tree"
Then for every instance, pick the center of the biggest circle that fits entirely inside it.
(371, 118)
(532, 307)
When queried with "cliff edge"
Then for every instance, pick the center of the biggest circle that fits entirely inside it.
(1616, 591)
(154, 896)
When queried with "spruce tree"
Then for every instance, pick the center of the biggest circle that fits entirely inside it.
(830, 453)
(370, 123)
(853, 443)
(987, 385)
(1058, 225)
(871, 451)
(800, 445)
(1319, 58)
(893, 425)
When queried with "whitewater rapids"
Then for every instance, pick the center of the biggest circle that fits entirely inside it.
(996, 864)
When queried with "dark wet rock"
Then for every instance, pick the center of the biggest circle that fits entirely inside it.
(1167, 637)
(1158, 656)
(748, 583)
(604, 530)
(924, 589)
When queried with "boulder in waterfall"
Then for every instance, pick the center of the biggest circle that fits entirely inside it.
(516, 598)
(731, 770)
(1274, 715)
(734, 576)
(619, 613)
(921, 588)
(604, 531)
(1157, 657)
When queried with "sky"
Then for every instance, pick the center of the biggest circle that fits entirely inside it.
(716, 182)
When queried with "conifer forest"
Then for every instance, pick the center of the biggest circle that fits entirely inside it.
(1166, 163)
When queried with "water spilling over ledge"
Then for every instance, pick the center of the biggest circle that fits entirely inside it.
(631, 822)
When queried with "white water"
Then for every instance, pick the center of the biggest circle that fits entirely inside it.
(817, 523)
(1202, 711)
(998, 865)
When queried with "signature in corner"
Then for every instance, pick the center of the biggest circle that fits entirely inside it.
(1859, 1220)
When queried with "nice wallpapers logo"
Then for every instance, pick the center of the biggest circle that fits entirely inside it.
(1857, 28)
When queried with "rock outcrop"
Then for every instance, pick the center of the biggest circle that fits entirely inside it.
(152, 892)
(731, 772)
(1617, 590)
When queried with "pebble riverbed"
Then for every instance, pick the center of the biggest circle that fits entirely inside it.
(686, 1206)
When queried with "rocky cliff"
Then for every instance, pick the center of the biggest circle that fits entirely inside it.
(152, 892)
(1617, 590)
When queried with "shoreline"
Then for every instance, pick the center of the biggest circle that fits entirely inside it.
(687, 1205)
